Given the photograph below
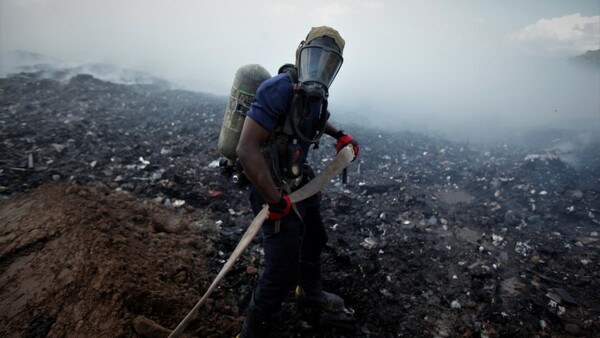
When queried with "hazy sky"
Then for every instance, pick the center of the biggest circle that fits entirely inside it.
(433, 63)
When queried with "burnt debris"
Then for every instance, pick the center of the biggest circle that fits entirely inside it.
(429, 237)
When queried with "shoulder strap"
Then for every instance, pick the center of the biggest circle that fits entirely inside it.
(291, 71)
(296, 110)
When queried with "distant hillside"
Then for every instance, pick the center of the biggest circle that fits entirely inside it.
(42, 66)
(591, 57)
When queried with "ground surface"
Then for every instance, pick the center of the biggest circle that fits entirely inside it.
(114, 221)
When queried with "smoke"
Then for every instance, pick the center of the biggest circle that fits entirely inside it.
(479, 98)
(468, 69)
(471, 84)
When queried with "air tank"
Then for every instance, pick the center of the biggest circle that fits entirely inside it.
(246, 81)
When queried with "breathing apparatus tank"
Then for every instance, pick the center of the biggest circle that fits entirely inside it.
(246, 82)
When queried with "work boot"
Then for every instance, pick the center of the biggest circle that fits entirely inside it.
(325, 300)
(257, 323)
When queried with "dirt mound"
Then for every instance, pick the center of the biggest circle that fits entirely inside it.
(91, 262)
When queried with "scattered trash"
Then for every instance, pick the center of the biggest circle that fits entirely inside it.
(235, 213)
(157, 175)
(386, 293)
(523, 248)
(426, 213)
(497, 239)
(215, 193)
(144, 163)
(369, 242)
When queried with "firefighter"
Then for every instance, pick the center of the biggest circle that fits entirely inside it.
(287, 118)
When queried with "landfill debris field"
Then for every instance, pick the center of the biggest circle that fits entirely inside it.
(114, 220)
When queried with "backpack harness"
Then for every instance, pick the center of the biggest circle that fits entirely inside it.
(283, 152)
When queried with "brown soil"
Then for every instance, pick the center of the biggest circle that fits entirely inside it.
(91, 262)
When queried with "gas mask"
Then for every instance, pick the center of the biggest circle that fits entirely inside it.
(318, 65)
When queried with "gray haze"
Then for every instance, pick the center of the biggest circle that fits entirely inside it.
(470, 66)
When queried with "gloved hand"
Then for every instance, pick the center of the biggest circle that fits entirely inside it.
(344, 140)
(280, 209)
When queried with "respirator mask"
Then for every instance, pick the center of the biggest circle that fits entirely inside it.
(319, 63)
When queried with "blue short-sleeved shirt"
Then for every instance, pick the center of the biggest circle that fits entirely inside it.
(272, 102)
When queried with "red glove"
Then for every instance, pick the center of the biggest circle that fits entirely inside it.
(280, 209)
(344, 140)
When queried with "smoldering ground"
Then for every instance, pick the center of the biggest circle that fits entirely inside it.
(112, 196)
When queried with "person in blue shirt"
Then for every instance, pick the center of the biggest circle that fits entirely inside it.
(288, 116)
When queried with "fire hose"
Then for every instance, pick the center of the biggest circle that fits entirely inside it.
(341, 161)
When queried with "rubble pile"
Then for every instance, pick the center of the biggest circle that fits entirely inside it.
(107, 184)
(137, 138)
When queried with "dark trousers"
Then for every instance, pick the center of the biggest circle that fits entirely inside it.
(292, 255)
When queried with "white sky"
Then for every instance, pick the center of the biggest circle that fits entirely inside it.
(434, 63)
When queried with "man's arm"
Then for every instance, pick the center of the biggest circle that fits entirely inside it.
(248, 151)
(331, 130)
